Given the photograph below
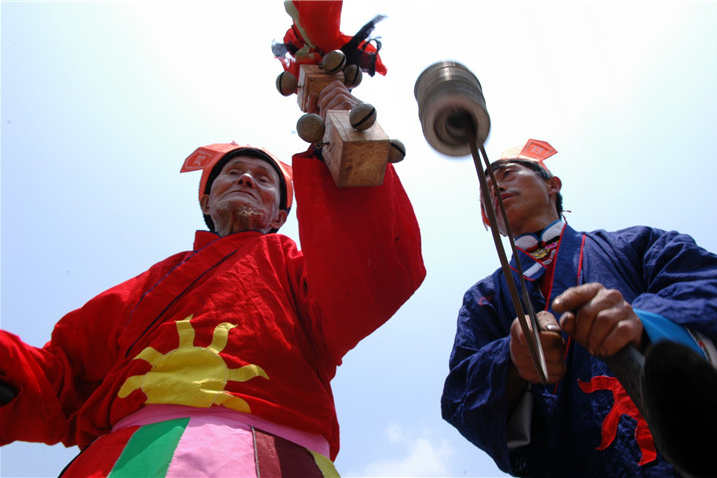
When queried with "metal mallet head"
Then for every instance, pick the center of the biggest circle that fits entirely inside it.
(450, 98)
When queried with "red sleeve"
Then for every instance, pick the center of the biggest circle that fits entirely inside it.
(34, 414)
(362, 249)
(54, 381)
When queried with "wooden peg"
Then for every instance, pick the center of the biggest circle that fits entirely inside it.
(398, 151)
(352, 76)
(311, 128)
(286, 83)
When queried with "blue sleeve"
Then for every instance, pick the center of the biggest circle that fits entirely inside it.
(679, 281)
(474, 398)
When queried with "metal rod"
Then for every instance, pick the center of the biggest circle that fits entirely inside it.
(530, 331)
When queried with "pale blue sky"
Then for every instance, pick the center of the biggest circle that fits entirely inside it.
(101, 102)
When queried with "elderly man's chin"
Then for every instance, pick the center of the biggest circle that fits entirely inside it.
(249, 213)
(237, 206)
(239, 210)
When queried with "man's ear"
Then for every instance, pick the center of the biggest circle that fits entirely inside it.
(204, 203)
(554, 184)
(279, 219)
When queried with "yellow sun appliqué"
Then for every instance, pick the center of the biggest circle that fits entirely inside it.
(189, 375)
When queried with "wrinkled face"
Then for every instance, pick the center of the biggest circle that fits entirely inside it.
(529, 200)
(247, 188)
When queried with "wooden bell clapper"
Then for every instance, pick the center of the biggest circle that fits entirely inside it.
(354, 146)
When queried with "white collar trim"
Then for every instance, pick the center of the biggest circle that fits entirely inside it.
(529, 240)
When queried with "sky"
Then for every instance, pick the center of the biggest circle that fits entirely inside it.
(102, 101)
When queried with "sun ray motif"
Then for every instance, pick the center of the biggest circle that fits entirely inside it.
(190, 375)
(186, 332)
(132, 383)
(149, 355)
(221, 336)
(247, 372)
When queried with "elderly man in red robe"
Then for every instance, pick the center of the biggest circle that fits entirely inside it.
(217, 361)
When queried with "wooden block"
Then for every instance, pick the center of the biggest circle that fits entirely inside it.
(312, 79)
(355, 158)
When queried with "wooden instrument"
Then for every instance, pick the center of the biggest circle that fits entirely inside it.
(354, 146)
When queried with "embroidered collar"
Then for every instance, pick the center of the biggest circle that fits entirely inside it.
(549, 234)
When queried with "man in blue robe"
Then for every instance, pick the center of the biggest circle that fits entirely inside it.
(596, 292)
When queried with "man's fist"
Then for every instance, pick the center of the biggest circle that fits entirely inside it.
(334, 96)
(553, 349)
(599, 319)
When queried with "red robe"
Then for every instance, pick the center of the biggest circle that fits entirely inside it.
(247, 321)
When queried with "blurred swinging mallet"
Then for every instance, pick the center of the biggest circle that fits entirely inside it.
(455, 122)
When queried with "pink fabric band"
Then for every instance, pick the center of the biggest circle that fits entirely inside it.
(158, 413)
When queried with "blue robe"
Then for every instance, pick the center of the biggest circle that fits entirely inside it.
(581, 426)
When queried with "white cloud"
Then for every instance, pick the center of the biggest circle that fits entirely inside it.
(418, 454)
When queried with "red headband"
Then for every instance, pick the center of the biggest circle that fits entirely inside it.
(534, 150)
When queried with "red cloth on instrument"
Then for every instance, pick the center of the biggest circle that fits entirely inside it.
(316, 31)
